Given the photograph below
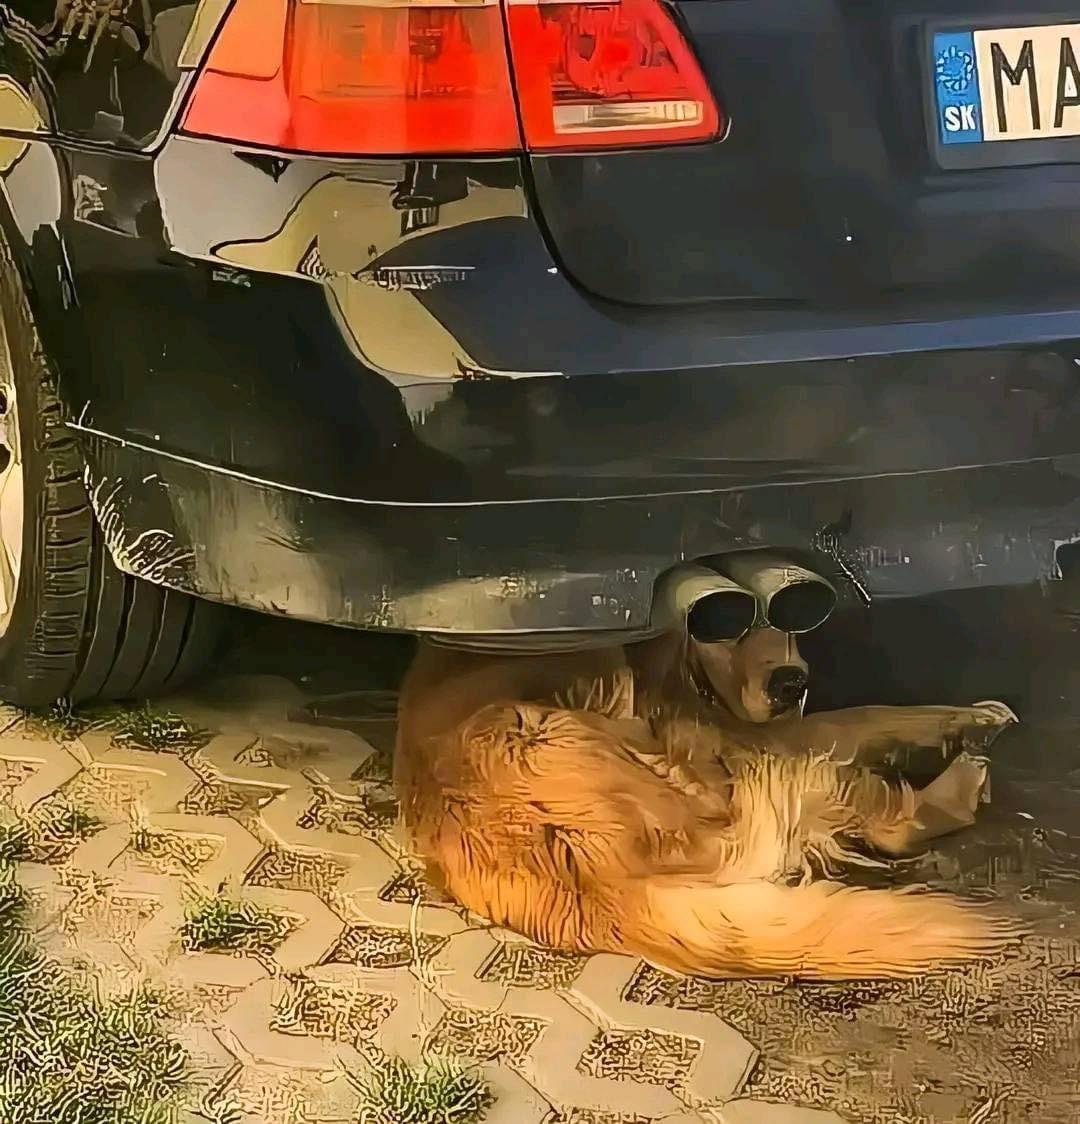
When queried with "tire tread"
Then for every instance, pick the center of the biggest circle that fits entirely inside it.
(95, 632)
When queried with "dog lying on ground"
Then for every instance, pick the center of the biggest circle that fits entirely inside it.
(669, 800)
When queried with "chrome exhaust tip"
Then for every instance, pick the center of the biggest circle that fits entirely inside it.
(707, 604)
(790, 598)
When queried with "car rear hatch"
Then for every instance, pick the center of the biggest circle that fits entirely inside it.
(841, 180)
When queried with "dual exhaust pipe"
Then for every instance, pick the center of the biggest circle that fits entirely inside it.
(722, 600)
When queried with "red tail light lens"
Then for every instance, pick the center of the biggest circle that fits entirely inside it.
(603, 75)
(432, 77)
(338, 76)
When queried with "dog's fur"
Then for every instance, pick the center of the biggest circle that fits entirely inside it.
(647, 800)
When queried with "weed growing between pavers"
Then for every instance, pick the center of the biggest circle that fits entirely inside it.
(52, 830)
(69, 1056)
(221, 924)
(16, 841)
(132, 727)
(61, 722)
(438, 1091)
(144, 727)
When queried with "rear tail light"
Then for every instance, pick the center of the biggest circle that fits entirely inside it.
(348, 77)
(598, 75)
(432, 77)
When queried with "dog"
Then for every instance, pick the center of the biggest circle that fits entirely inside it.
(669, 799)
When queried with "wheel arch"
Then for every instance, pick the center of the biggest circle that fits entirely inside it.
(81, 628)
(35, 198)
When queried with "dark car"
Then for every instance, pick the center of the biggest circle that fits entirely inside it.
(475, 318)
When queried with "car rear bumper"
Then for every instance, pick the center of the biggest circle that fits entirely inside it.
(523, 566)
(370, 396)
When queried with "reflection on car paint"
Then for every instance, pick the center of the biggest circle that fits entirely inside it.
(23, 56)
(90, 21)
(29, 178)
(108, 71)
(351, 212)
(417, 279)
(19, 115)
(335, 232)
(205, 22)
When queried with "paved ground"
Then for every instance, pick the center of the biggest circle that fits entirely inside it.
(286, 805)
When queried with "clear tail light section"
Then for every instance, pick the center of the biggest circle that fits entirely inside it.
(604, 75)
(344, 77)
(433, 77)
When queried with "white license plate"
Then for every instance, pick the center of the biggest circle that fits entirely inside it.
(1017, 83)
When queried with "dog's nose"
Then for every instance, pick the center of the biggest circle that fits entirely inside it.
(786, 686)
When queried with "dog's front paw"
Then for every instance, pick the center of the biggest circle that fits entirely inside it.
(994, 714)
(977, 727)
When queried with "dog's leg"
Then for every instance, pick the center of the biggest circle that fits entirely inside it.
(897, 819)
(868, 735)
(670, 757)
(951, 800)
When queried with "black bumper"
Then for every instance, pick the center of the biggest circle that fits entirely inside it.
(562, 564)
(308, 387)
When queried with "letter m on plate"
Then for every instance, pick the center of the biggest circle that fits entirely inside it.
(1029, 80)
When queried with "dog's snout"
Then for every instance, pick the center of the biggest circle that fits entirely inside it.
(786, 686)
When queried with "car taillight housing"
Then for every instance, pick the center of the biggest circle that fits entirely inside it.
(597, 75)
(364, 78)
(433, 77)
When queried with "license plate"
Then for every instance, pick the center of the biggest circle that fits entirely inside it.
(1008, 84)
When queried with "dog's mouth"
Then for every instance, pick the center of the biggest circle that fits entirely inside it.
(782, 694)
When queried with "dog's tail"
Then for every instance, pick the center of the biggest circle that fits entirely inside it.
(819, 930)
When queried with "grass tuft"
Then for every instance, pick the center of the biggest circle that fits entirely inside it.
(438, 1091)
(144, 727)
(61, 722)
(61, 820)
(132, 726)
(69, 1056)
(16, 841)
(221, 924)
(50, 832)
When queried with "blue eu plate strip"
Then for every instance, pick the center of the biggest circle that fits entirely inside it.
(956, 82)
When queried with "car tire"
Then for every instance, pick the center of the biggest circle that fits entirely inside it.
(72, 625)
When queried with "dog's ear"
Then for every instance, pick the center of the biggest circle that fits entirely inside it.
(655, 661)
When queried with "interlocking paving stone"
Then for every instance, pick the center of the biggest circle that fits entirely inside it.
(295, 817)
(767, 1112)
(35, 769)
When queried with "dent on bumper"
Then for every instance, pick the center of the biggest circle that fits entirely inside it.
(561, 564)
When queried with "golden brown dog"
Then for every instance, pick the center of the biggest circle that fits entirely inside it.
(669, 800)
